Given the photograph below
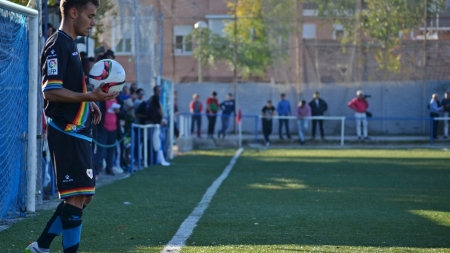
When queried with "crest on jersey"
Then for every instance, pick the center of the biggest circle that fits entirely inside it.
(52, 67)
(90, 173)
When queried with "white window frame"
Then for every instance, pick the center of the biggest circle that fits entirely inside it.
(182, 31)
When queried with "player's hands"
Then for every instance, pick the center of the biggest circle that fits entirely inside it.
(100, 95)
(95, 112)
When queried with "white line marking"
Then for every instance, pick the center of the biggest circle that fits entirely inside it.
(188, 225)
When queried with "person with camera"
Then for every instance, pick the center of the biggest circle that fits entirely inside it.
(359, 104)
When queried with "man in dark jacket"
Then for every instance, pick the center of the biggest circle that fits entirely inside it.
(318, 107)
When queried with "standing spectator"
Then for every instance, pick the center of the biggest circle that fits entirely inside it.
(196, 108)
(318, 107)
(359, 104)
(133, 88)
(303, 111)
(155, 115)
(107, 135)
(284, 109)
(228, 107)
(140, 93)
(446, 107)
(435, 108)
(268, 111)
(109, 54)
(212, 106)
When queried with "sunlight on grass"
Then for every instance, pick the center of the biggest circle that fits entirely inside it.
(440, 218)
(281, 184)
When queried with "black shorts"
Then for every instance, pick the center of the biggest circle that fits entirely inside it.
(72, 162)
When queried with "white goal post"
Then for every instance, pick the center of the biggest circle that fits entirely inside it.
(33, 75)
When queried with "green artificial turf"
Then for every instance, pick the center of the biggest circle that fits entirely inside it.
(272, 201)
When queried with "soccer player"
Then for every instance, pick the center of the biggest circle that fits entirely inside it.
(71, 111)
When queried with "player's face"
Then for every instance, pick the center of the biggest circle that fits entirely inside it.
(85, 20)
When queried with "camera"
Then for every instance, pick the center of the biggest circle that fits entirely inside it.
(367, 96)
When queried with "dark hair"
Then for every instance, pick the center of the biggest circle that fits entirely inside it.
(283, 95)
(214, 93)
(139, 90)
(155, 88)
(269, 101)
(66, 5)
(303, 102)
(83, 54)
(229, 94)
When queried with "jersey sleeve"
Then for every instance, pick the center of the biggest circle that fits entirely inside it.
(54, 60)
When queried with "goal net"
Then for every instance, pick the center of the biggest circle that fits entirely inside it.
(14, 87)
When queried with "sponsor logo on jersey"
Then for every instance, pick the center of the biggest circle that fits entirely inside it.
(52, 67)
(52, 53)
(74, 53)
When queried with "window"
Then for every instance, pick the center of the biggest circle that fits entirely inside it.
(121, 35)
(183, 39)
(338, 32)
(309, 31)
(217, 23)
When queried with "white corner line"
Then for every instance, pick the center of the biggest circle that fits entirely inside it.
(188, 225)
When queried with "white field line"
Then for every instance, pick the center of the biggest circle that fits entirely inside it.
(188, 225)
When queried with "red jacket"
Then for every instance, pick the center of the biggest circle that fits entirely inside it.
(212, 103)
(358, 105)
(191, 106)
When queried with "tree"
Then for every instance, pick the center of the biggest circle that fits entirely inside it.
(261, 25)
(380, 20)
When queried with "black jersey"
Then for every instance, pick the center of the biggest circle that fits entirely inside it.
(61, 68)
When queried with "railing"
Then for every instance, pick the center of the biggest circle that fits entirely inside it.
(147, 132)
(185, 121)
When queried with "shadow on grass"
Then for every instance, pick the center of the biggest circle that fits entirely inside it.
(350, 201)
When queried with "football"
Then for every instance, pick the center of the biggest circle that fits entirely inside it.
(109, 72)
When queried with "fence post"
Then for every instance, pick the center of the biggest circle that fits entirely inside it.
(139, 148)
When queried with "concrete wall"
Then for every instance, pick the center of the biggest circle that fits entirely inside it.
(392, 100)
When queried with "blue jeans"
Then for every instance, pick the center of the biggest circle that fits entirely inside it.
(302, 125)
(225, 124)
(105, 137)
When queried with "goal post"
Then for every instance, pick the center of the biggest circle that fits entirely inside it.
(20, 142)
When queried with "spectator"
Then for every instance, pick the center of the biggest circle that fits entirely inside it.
(109, 54)
(318, 107)
(435, 108)
(155, 115)
(359, 104)
(283, 109)
(140, 93)
(228, 107)
(303, 111)
(446, 107)
(268, 111)
(133, 88)
(212, 106)
(107, 135)
(196, 108)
